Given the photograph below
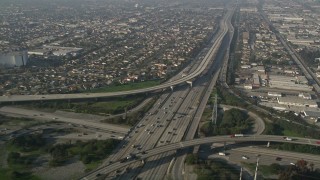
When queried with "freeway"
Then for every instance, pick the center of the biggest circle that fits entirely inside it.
(159, 165)
(181, 145)
(222, 64)
(168, 120)
(263, 152)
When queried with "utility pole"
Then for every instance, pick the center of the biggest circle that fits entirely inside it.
(125, 113)
(215, 111)
(255, 174)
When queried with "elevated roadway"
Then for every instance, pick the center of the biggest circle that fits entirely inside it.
(179, 162)
(180, 145)
(169, 119)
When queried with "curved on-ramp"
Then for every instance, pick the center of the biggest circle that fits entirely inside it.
(175, 146)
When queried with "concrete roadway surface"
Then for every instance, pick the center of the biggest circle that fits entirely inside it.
(157, 166)
(33, 114)
(266, 157)
(112, 167)
(177, 166)
(86, 133)
(179, 108)
(166, 123)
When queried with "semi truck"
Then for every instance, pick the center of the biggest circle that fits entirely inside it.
(287, 138)
(236, 135)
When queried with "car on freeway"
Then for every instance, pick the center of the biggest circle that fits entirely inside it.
(278, 158)
(318, 142)
(244, 157)
(293, 164)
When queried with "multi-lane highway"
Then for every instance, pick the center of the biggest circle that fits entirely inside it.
(180, 145)
(169, 119)
(221, 62)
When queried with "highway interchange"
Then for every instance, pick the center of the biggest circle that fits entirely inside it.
(171, 117)
(113, 167)
(170, 126)
(157, 167)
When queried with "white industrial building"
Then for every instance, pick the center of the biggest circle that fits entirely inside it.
(12, 59)
(274, 94)
(305, 95)
(256, 80)
(313, 115)
(288, 82)
(296, 101)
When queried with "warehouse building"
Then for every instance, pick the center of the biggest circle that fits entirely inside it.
(288, 82)
(296, 101)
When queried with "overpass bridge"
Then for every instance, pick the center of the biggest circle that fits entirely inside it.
(180, 145)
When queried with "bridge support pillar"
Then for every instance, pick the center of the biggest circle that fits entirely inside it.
(268, 145)
(171, 87)
(125, 113)
(190, 83)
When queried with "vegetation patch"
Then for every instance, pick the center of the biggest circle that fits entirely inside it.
(16, 121)
(226, 97)
(233, 121)
(215, 170)
(300, 170)
(112, 106)
(91, 152)
(29, 142)
(285, 128)
(132, 117)
(24, 150)
(8, 174)
(266, 170)
(301, 148)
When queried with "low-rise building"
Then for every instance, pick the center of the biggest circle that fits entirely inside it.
(274, 94)
(296, 101)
